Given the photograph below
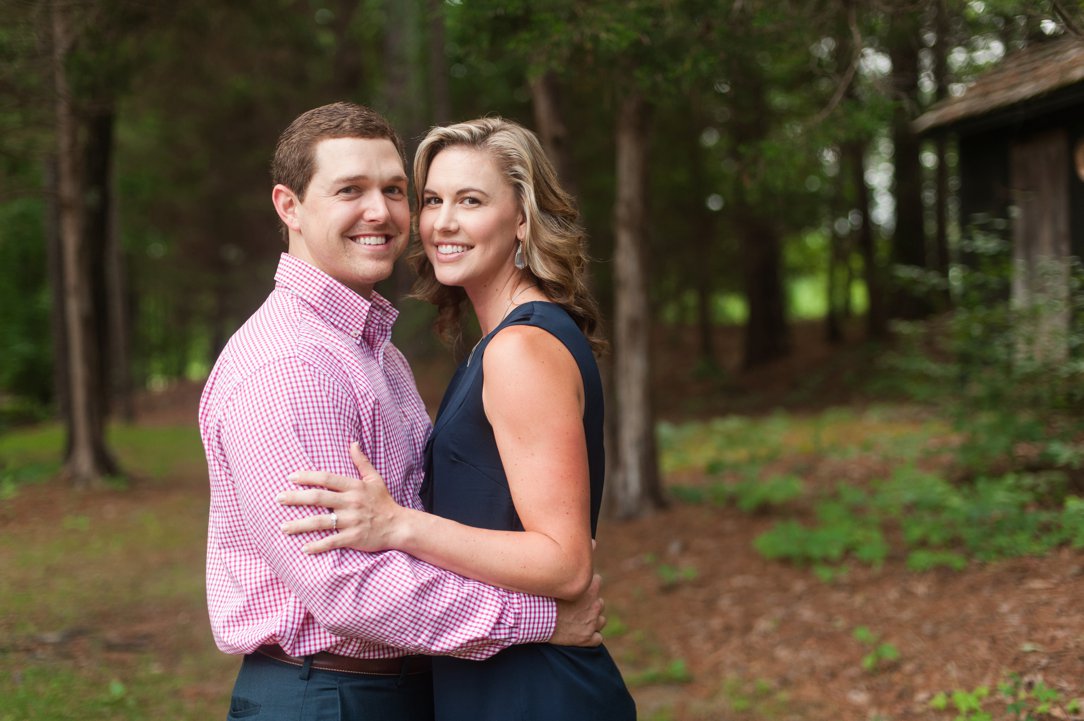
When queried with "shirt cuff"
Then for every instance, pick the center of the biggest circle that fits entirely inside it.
(538, 619)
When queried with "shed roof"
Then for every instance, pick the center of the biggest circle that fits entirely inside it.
(1037, 70)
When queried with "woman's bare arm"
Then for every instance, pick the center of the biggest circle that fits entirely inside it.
(533, 397)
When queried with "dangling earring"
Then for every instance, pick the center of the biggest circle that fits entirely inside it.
(519, 261)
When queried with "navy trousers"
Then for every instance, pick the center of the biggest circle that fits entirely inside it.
(270, 690)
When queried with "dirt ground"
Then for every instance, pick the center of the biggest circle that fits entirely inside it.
(766, 640)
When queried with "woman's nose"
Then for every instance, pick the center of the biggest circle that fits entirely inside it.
(445, 220)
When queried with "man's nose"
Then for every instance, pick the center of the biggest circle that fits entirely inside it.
(375, 209)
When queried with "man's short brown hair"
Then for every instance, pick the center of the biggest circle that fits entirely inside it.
(295, 154)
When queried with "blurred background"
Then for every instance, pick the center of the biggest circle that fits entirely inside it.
(792, 206)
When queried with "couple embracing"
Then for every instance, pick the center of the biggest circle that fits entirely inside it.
(367, 564)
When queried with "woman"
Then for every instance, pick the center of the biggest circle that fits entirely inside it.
(515, 460)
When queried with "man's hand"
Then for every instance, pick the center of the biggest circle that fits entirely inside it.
(580, 622)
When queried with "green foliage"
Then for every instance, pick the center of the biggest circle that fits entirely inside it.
(750, 495)
(26, 372)
(880, 654)
(673, 672)
(758, 697)
(671, 575)
(1024, 700)
(1015, 394)
(968, 704)
(942, 525)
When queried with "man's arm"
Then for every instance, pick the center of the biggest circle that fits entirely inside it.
(289, 416)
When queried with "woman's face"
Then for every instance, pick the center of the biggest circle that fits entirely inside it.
(470, 220)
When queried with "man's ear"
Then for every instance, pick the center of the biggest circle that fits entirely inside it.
(287, 206)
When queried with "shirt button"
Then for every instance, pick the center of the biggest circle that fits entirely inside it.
(355, 333)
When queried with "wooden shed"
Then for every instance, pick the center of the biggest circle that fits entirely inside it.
(1020, 138)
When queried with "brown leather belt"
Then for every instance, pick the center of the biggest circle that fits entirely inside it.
(348, 664)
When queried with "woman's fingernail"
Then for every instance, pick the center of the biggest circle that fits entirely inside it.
(292, 477)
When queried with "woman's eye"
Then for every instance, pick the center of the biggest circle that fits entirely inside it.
(431, 200)
(471, 200)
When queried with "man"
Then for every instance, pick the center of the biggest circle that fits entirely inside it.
(343, 633)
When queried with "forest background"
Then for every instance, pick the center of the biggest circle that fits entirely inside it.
(757, 202)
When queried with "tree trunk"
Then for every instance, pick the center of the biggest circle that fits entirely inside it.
(400, 103)
(440, 95)
(703, 244)
(58, 318)
(346, 68)
(634, 484)
(836, 295)
(103, 251)
(88, 461)
(941, 179)
(766, 334)
(551, 127)
(854, 158)
(909, 239)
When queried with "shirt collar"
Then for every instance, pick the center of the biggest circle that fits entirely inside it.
(368, 319)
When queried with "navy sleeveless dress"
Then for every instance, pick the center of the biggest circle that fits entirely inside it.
(465, 481)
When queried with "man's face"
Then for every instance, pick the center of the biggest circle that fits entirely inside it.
(355, 219)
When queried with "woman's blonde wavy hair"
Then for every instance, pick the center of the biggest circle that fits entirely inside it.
(555, 244)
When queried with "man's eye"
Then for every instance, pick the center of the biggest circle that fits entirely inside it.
(348, 190)
(394, 190)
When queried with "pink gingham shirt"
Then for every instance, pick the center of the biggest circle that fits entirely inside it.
(310, 371)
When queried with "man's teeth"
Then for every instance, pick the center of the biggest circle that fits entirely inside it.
(371, 239)
(450, 249)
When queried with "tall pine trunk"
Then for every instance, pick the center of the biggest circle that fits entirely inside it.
(552, 131)
(941, 179)
(760, 245)
(440, 94)
(88, 460)
(703, 244)
(909, 239)
(634, 483)
(854, 159)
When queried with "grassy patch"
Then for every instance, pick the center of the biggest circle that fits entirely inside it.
(31, 456)
(103, 611)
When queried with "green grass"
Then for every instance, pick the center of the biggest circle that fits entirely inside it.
(32, 455)
(119, 568)
(941, 524)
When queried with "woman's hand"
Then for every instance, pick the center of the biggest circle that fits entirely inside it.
(363, 514)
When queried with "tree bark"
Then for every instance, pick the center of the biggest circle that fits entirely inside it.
(704, 242)
(854, 158)
(440, 95)
(88, 461)
(909, 239)
(634, 484)
(833, 324)
(941, 179)
(766, 333)
(552, 131)
(103, 250)
(58, 318)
